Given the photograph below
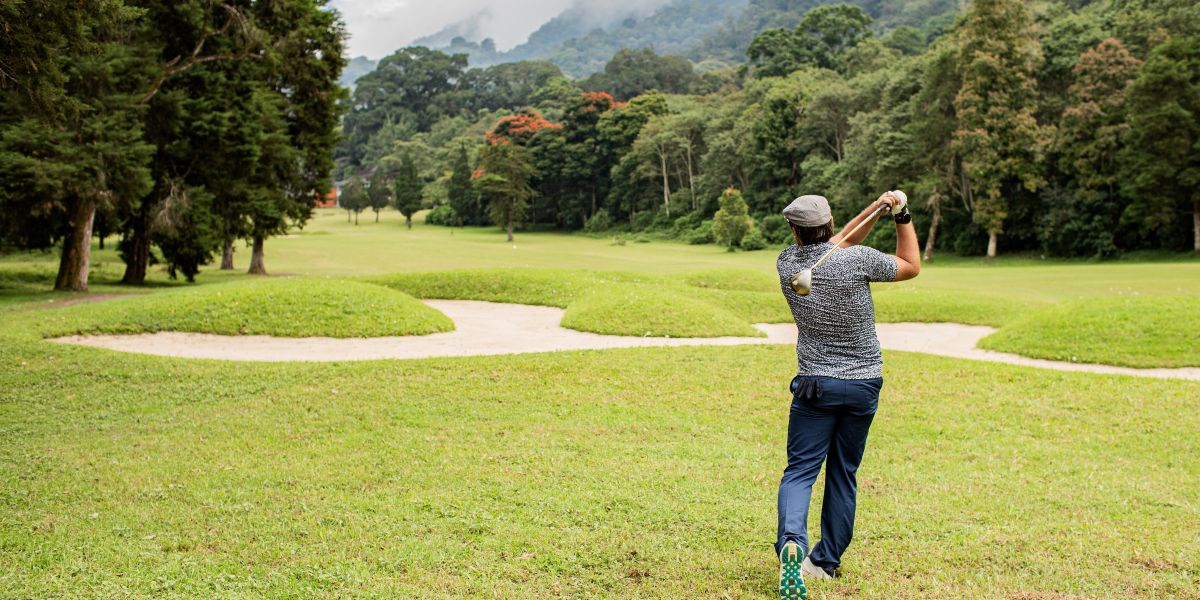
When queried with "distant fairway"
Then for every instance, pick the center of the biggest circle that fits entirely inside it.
(618, 473)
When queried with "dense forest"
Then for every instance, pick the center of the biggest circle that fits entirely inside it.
(1069, 128)
(181, 127)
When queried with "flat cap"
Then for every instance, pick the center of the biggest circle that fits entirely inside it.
(808, 211)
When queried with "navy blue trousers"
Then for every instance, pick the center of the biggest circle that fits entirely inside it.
(833, 426)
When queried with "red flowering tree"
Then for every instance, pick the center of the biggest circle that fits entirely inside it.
(519, 128)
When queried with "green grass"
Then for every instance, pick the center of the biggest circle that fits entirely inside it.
(279, 307)
(651, 311)
(614, 303)
(553, 269)
(608, 474)
(645, 473)
(1131, 331)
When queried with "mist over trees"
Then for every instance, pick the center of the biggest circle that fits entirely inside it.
(1065, 128)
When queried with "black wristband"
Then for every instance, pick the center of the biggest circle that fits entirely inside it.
(903, 217)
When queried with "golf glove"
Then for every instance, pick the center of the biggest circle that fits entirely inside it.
(902, 201)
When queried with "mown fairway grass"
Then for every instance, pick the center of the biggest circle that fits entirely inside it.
(626, 473)
(621, 473)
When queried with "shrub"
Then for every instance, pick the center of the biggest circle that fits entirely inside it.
(441, 215)
(599, 222)
(685, 224)
(702, 234)
(642, 220)
(775, 229)
(661, 221)
(754, 240)
(731, 223)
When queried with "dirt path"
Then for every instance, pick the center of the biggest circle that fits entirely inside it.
(487, 328)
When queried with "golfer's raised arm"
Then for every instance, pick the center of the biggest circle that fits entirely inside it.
(848, 237)
(908, 255)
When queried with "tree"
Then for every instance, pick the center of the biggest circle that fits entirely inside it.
(354, 198)
(416, 84)
(657, 140)
(200, 109)
(820, 40)
(408, 189)
(633, 72)
(458, 189)
(73, 91)
(732, 222)
(302, 81)
(1088, 144)
(777, 52)
(505, 171)
(831, 30)
(1161, 161)
(998, 136)
(379, 192)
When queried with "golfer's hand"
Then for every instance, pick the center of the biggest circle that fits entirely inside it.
(896, 200)
(891, 201)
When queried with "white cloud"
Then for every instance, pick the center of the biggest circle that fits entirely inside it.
(378, 27)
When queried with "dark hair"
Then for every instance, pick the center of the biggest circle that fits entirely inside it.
(813, 235)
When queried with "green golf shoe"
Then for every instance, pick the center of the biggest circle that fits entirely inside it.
(791, 581)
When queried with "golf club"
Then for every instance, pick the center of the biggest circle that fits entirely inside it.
(802, 282)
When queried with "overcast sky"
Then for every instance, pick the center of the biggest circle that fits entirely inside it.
(377, 27)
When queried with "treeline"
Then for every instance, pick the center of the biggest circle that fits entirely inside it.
(180, 126)
(1070, 128)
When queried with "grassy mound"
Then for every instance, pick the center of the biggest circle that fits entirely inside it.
(902, 303)
(614, 303)
(520, 286)
(279, 307)
(735, 279)
(1130, 331)
(652, 312)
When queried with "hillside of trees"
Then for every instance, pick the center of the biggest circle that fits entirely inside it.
(1067, 128)
(711, 33)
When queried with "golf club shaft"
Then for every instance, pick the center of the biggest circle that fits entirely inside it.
(869, 218)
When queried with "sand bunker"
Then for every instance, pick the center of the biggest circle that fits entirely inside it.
(488, 328)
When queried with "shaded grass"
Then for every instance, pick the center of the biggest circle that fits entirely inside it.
(1131, 331)
(279, 307)
(612, 474)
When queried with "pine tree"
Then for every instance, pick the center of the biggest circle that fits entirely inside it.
(379, 193)
(458, 190)
(354, 198)
(409, 189)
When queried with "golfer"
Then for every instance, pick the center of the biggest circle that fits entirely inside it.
(836, 389)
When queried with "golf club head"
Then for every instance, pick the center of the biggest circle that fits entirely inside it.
(802, 282)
